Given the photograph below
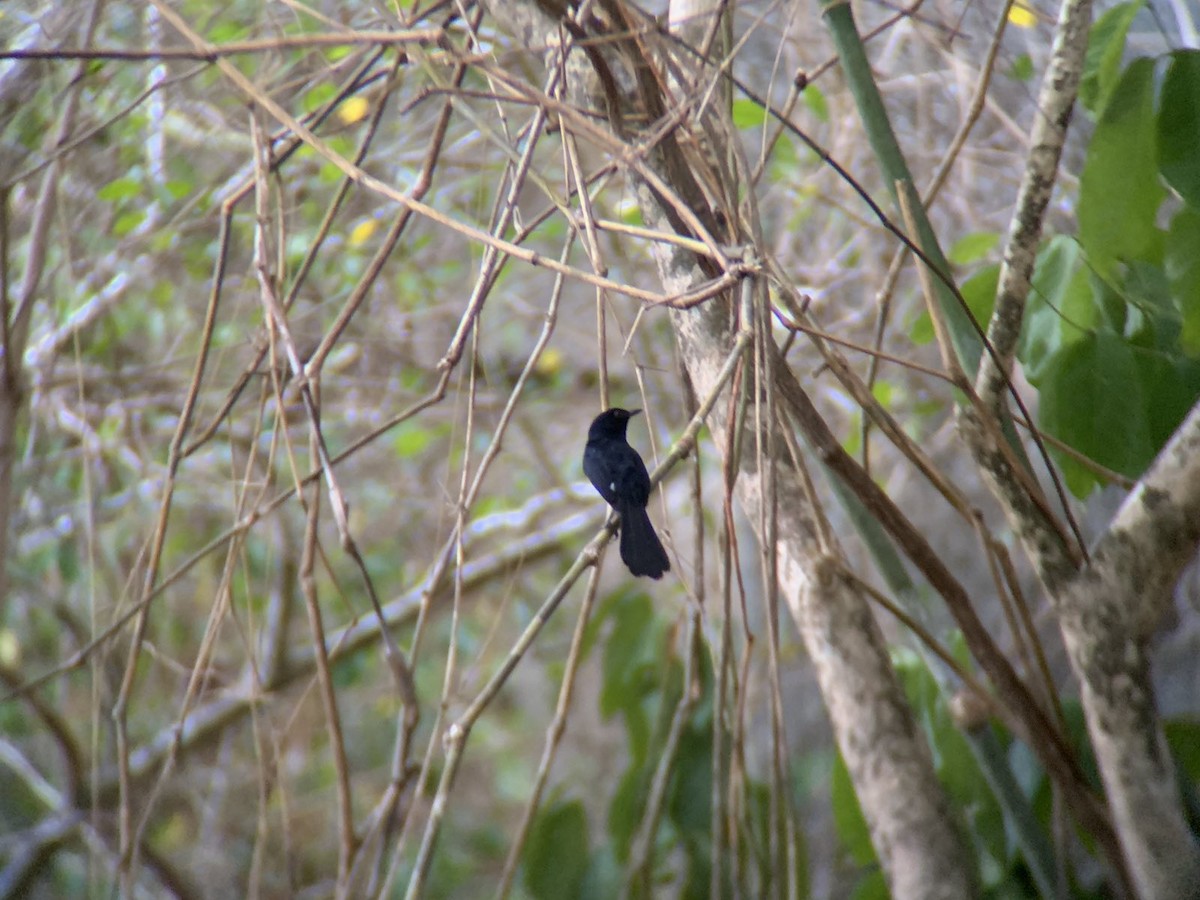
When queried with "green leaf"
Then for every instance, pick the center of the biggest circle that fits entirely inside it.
(410, 439)
(1061, 308)
(603, 878)
(814, 99)
(921, 331)
(630, 212)
(317, 97)
(980, 293)
(556, 857)
(691, 781)
(1173, 384)
(1022, 68)
(1151, 319)
(178, 188)
(624, 652)
(1183, 737)
(848, 819)
(748, 114)
(625, 808)
(120, 189)
(1073, 408)
(633, 671)
(871, 886)
(1105, 46)
(128, 222)
(1119, 190)
(1179, 126)
(227, 31)
(973, 247)
(1115, 403)
(1091, 399)
(1181, 262)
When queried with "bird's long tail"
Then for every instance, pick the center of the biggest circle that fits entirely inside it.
(641, 549)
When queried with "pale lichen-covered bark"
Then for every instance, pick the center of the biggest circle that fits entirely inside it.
(912, 827)
(1106, 608)
(1105, 615)
(909, 818)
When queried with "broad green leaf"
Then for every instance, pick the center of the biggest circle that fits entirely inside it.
(747, 114)
(624, 652)
(973, 247)
(885, 392)
(556, 857)
(1172, 385)
(120, 189)
(625, 808)
(128, 222)
(1103, 62)
(848, 819)
(784, 159)
(1061, 308)
(317, 96)
(1151, 319)
(410, 439)
(814, 98)
(691, 781)
(980, 293)
(1115, 403)
(227, 31)
(1181, 262)
(921, 332)
(603, 878)
(1090, 398)
(178, 188)
(871, 886)
(633, 671)
(1022, 68)
(1179, 126)
(630, 212)
(1183, 736)
(1119, 190)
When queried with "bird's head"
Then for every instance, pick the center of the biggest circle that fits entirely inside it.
(611, 423)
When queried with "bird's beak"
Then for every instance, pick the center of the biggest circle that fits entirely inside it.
(633, 412)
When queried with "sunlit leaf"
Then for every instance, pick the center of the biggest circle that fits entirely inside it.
(1106, 45)
(973, 247)
(747, 114)
(353, 110)
(1021, 16)
(362, 232)
(1119, 190)
(814, 99)
(120, 189)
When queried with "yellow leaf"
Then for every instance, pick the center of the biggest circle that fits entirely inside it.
(1022, 16)
(353, 110)
(10, 648)
(550, 363)
(362, 232)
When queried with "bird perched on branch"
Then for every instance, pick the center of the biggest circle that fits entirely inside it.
(618, 473)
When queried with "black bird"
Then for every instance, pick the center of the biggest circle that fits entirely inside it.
(618, 473)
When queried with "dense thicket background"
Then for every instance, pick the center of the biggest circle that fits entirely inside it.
(200, 198)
